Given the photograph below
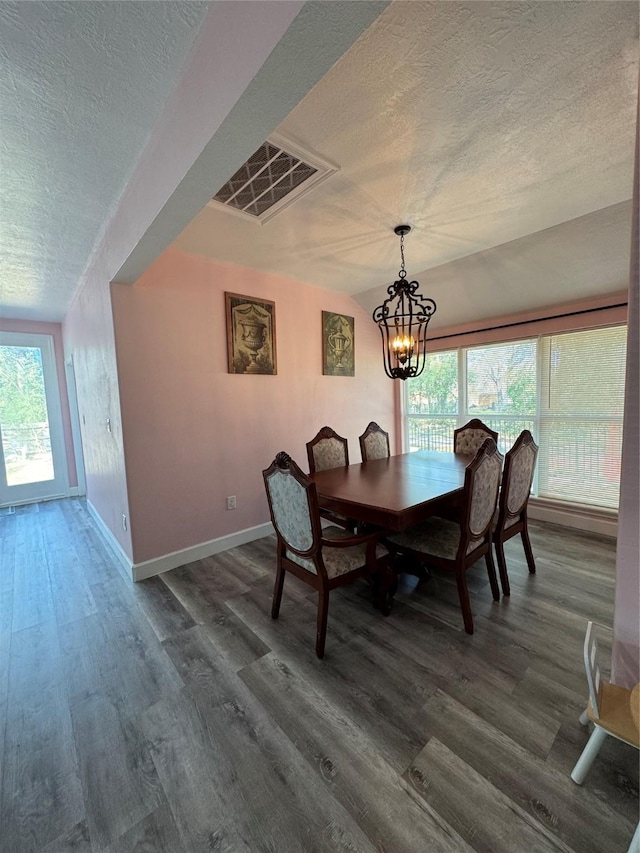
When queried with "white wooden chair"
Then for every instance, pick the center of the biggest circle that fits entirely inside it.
(611, 712)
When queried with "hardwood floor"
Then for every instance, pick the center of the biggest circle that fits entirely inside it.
(174, 716)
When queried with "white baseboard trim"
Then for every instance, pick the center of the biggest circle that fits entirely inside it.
(579, 518)
(149, 568)
(74, 491)
(111, 540)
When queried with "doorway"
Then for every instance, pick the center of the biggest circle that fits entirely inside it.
(33, 464)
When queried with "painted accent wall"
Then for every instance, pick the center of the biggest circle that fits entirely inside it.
(195, 434)
(625, 658)
(31, 327)
(235, 88)
(88, 336)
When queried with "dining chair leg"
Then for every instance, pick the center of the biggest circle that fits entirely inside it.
(579, 772)
(465, 604)
(584, 718)
(491, 571)
(527, 551)
(323, 613)
(277, 591)
(502, 567)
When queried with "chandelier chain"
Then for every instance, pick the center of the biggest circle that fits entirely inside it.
(403, 272)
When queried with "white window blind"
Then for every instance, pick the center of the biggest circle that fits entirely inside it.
(581, 404)
(567, 389)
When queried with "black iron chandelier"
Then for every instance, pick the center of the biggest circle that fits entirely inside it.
(403, 319)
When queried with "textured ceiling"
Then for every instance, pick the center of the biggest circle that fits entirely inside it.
(81, 86)
(477, 123)
(502, 131)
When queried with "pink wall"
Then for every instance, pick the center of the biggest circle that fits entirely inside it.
(588, 313)
(55, 331)
(165, 190)
(88, 334)
(193, 433)
(625, 662)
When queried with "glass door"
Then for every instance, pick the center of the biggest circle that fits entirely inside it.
(32, 455)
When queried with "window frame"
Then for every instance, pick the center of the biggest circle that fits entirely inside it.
(463, 414)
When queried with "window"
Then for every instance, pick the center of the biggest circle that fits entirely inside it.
(433, 400)
(567, 389)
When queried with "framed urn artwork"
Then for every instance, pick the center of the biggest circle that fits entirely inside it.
(338, 345)
(251, 335)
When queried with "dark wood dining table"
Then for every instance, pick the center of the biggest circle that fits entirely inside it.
(397, 491)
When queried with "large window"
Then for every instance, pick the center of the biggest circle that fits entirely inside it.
(567, 389)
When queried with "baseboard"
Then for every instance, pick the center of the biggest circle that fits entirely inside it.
(591, 520)
(116, 547)
(74, 492)
(149, 568)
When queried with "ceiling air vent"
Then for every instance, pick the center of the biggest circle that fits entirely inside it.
(274, 176)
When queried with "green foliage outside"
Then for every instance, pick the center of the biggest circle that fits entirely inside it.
(22, 399)
(435, 391)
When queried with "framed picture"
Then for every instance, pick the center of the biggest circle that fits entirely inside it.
(251, 334)
(338, 345)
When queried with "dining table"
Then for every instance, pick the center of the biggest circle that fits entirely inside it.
(395, 492)
(392, 494)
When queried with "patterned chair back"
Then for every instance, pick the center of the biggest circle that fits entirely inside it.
(374, 443)
(327, 450)
(469, 438)
(293, 503)
(519, 465)
(482, 482)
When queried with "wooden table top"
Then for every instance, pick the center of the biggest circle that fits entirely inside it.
(395, 492)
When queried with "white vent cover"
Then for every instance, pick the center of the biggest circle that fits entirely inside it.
(274, 176)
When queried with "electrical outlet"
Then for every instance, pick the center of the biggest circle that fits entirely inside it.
(124, 521)
(231, 502)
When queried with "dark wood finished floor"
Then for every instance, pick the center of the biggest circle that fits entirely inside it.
(174, 716)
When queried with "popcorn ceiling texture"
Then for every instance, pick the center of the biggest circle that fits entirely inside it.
(481, 124)
(81, 85)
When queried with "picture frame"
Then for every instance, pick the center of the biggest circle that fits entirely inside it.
(251, 335)
(338, 344)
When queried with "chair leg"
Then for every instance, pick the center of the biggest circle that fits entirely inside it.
(527, 551)
(491, 571)
(634, 847)
(465, 604)
(323, 613)
(277, 592)
(590, 751)
(584, 718)
(502, 567)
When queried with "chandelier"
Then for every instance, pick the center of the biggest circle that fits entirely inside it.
(403, 319)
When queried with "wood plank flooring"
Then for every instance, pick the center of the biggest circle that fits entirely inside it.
(175, 716)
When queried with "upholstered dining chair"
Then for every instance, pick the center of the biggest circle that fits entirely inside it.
(458, 545)
(469, 438)
(374, 443)
(325, 558)
(327, 450)
(511, 515)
